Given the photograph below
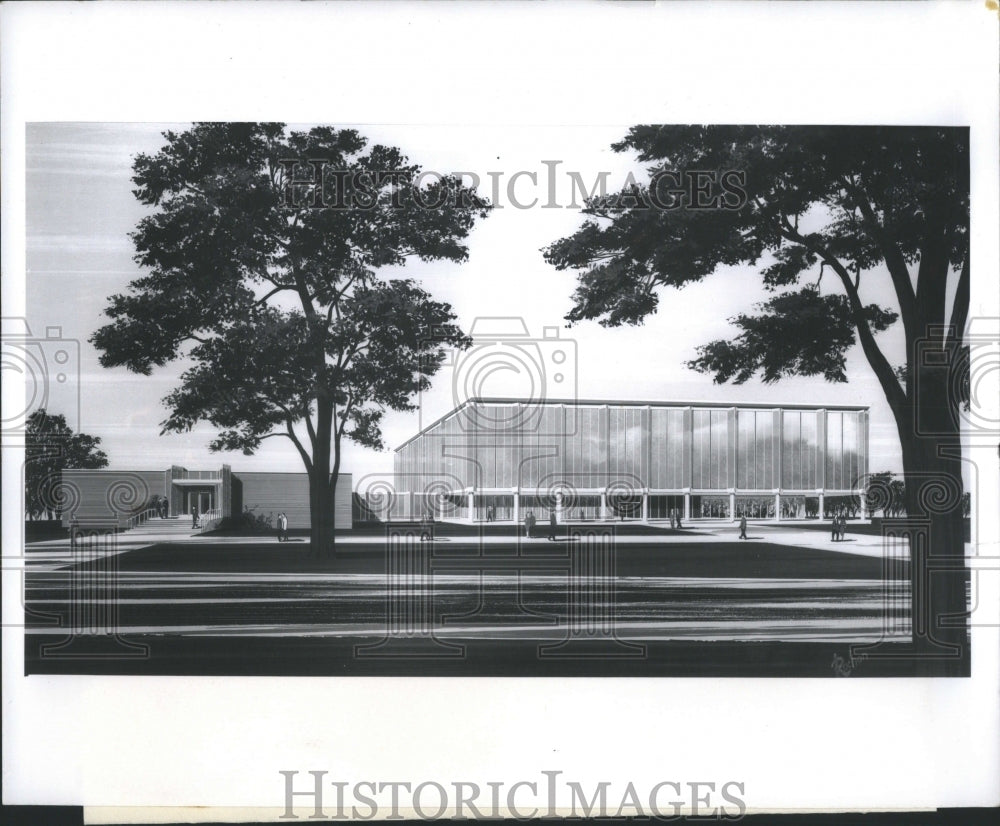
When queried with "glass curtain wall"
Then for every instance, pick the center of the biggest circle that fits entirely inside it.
(535, 449)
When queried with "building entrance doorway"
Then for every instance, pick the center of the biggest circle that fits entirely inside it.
(202, 500)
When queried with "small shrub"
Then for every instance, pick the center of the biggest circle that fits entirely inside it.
(256, 523)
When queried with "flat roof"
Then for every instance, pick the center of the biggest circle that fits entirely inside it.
(629, 403)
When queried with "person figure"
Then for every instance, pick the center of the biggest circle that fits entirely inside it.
(843, 527)
(489, 513)
(552, 525)
(743, 526)
(835, 528)
(164, 505)
(678, 512)
(194, 516)
(426, 528)
(282, 527)
(529, 523)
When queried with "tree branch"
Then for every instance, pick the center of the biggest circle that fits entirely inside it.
(344, 417)
(298, 446)
(898, 271)
(277, 289)
(960, 307)
(311, 430)
(894, 393)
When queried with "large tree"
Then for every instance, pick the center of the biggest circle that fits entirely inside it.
(51, 446)
(265, 250)
(883, 212)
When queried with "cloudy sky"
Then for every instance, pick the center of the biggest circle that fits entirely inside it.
(80, 209)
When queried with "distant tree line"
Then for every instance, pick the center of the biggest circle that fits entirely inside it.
(51, 447)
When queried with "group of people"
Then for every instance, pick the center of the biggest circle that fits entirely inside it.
(675, 518)
(838, 528)
(491, 513)
(530, 521)
(282, 527)
(160, 506)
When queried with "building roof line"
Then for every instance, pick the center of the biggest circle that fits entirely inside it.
(628, 403)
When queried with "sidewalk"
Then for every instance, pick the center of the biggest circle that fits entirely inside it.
(859, 544)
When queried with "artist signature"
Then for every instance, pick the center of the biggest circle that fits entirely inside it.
(844, 667)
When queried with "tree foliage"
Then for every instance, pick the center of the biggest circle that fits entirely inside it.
(855, 203)
(263, 254)
(885, 492)
(50, 447)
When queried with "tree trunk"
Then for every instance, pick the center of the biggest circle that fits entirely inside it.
(931, 445)
(321, 514)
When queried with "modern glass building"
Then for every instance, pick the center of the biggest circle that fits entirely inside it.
(500, 458)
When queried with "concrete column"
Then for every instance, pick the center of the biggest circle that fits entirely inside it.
(604, 506)
(687, 506)
(732, 505)
(821, 451)
(777, 507)
(559, 508)
(472, 507)
(645, 507)
(820, 506)
(226, 492)
(779, 445)
(517, 507)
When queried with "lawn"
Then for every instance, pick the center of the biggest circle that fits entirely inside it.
(494, 605)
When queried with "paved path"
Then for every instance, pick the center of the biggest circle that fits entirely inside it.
(59, 552)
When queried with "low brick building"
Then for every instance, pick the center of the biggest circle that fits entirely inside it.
(117, 496)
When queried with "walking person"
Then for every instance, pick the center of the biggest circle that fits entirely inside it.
(552, 525)
(743, 526)
(282, 527)
(835, 528)
(529, 523)
(843, 527)
(194, 516)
